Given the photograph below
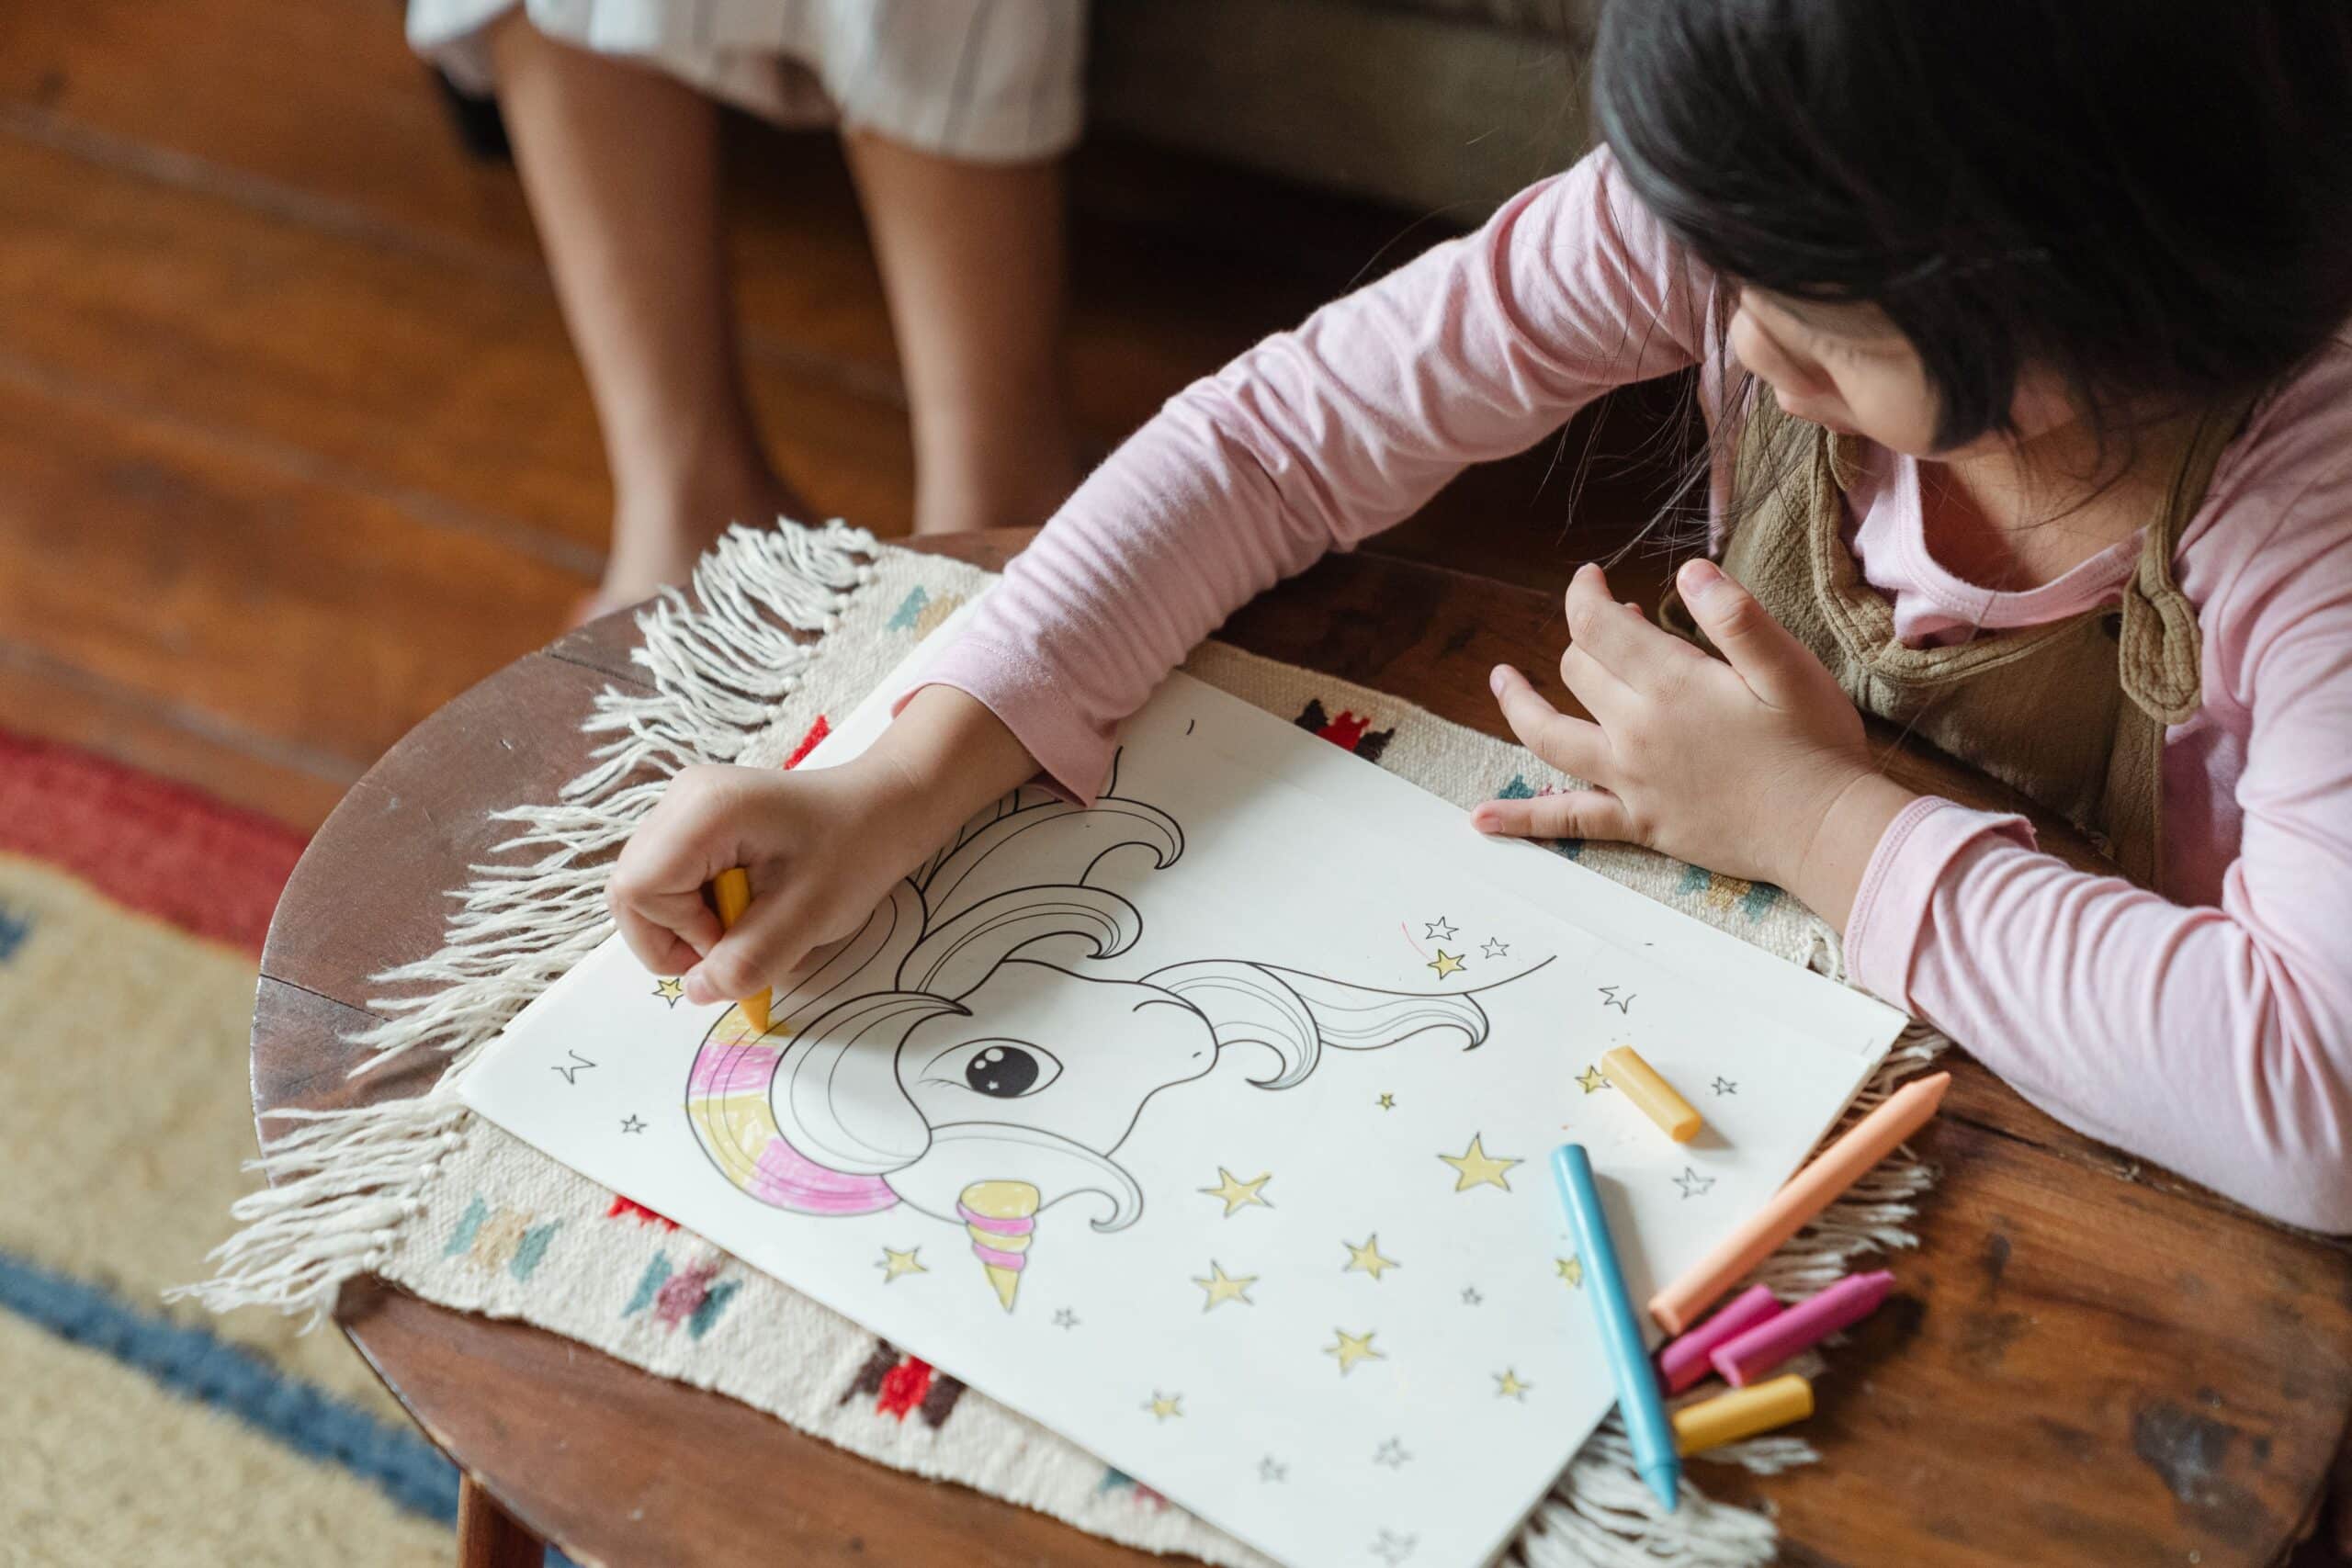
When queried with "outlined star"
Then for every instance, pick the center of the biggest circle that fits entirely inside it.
(1475, 1167)
(1223, 1287)
(895, 1263)
(580, 1065)
(1065, 1318)
(1447, 963)
(1508, 1386)
(1272, 1469)
(1391, 1548)
(1495, 947)
(1470, 1296)
(1610, 999)
(1388, 1102)
(1163, 1406)
(1239, 1195)
(1572, 1270)
(1438, 929)
(1592, 1081)
(1392, 1454)
(1353, 1348)
(1693, 1183)
(1723, 1085)
(671, 989)
(1366, 1259)
(632, 1124)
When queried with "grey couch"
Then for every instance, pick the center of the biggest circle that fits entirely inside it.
(1443, 107)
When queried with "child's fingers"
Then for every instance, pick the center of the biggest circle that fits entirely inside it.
(1593, 683)
(1573, 745)
(1763, 650)
(1616, 636)
(1576, 813)
(668, 932)
(763, 947)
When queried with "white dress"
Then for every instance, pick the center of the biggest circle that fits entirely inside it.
(994, 81)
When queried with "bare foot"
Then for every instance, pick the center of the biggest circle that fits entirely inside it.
(656, 541)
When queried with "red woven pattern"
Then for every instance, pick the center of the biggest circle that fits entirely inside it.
(155, 846)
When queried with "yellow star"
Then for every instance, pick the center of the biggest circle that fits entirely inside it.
(1239, 1195)
(670, 988)
(1444, 963)
(1223, 1287)
(1353, 1348)
(1389, 1102)
(1479, 1169)
(1592, 1081)
(894, 1264)
(1572, 1270)
(1508, 1386)
(1367, 1258)
(1163, 1406)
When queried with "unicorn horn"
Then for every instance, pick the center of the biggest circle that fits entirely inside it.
(999, 1216)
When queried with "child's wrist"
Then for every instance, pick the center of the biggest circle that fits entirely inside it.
(1827, 872)
(945, 757)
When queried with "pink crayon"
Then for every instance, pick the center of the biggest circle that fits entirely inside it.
(1748, 1356)
(1684, 1363)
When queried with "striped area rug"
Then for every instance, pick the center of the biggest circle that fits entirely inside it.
(131, 917)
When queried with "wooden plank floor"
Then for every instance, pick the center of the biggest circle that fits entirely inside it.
(292, 445)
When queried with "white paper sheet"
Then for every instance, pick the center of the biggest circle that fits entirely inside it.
(1253, 1205)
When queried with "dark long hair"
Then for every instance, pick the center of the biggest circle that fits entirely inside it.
(2150, 197)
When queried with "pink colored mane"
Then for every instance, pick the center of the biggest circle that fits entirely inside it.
(789, 1179)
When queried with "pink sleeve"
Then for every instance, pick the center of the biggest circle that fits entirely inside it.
(2215, 1040)
(1315, 438)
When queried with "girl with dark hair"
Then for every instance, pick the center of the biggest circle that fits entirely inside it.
(2021, 329)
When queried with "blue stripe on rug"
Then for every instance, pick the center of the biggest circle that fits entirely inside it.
(194, 1364)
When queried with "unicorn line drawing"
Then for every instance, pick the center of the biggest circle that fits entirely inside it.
(949, 1057)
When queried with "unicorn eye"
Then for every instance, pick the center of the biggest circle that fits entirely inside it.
(1002, 1069)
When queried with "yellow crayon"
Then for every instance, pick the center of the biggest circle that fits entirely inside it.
(732, 891)
(1656, 1097)
(1742, 1413)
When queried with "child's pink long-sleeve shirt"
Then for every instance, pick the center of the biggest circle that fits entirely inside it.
(2214, 1035)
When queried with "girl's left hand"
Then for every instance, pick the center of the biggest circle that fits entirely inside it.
(1754, 763)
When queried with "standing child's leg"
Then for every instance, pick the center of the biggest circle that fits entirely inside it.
(971, 258)
(621, 166)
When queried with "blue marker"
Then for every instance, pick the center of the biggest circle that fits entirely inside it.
(1621, 1333)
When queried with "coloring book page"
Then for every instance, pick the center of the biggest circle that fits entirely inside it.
(1210, 1125)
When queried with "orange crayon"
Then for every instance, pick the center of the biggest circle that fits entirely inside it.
(1808, 1193)
(732, 891)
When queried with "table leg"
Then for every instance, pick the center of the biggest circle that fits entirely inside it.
(2340, 1499)
(487, 1535)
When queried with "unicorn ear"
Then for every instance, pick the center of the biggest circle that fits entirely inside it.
(1247, 1004)
(1295, 1014)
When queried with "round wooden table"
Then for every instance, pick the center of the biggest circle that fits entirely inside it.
(2088, 1360)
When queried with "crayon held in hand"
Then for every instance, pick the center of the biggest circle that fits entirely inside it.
(1652, 1095)
(1742, 1413)
(732, 891)
(1808, 1193)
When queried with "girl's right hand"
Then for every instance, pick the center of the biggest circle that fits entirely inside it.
(821, 846)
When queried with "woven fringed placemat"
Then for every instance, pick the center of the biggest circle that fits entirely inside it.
(452, 1209)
